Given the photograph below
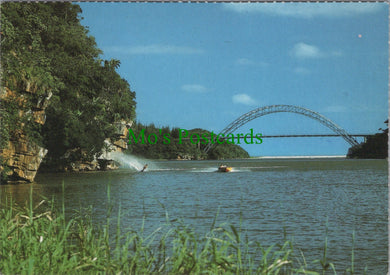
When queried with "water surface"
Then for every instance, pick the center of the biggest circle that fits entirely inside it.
(270, 197)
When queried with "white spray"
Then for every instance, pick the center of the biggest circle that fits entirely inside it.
(130, 161)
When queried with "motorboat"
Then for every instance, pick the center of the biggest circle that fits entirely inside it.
(224, 168)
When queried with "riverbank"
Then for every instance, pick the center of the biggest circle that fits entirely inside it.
(40, 239)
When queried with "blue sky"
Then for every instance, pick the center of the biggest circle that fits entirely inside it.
(202, 65)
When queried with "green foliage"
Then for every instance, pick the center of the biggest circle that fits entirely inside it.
(39, 240)
(46, 52)
(227, 151)
(174, 149)
(375, 147)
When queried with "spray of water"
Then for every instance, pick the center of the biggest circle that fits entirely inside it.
(130, 161)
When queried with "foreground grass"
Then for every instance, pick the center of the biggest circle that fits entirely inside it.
(38, 239)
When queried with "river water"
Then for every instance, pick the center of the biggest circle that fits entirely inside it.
(271, 197)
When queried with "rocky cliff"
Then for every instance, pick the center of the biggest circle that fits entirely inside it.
(21, 156)
(42, 64)
(106, 160)
(117, 145)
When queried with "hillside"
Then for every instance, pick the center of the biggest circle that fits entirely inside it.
(60, 100)
(375, 147)
(166, 143)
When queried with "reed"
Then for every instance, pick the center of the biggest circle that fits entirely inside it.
(38, 240)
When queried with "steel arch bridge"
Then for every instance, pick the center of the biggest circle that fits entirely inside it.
(262, 111)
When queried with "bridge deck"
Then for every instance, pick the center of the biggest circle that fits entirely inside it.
(309, 135)
(296, 136)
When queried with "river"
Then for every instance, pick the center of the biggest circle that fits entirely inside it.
(271, 197)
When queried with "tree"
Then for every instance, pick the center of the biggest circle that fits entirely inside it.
(46, 51)
(375, 146)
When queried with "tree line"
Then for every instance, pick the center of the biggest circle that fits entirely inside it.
(51, 64)
(177, 148)
(46, 54)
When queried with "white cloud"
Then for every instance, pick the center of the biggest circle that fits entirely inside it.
(194, 88)
(248, 62)
(303, 50)
(301, 71)
(243, 99)
(307, 10)
(244, 61)
(153, 49)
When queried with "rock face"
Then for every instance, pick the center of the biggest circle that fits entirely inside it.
(185, 157)
(106, 160)
(118, 145)
(23, 156)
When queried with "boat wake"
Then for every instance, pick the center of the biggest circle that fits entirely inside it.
(136, 164)
(204, 170)
(132, 162)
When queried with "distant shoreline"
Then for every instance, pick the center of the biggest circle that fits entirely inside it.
(298, 157)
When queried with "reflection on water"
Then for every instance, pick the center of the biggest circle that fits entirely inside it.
(271, 196)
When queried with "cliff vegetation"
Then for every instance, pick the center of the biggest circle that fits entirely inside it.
(58, 97)
(62, 106)
(375, 147)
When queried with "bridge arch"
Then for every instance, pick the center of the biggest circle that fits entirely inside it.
(262, 111)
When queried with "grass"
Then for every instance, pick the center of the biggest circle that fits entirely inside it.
(38, 239)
